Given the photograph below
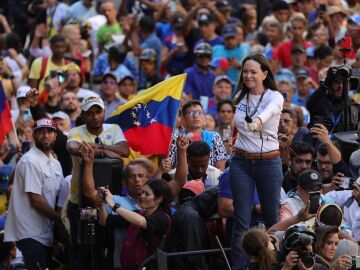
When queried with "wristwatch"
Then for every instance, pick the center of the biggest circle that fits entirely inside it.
(115, 207)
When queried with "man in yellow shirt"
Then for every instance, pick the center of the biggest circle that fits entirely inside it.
(42, 66)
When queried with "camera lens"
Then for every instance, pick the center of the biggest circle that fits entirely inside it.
(307, 258)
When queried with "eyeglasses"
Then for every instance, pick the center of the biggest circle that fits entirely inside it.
(111, 82)
(323, 163)
(286, 120)
(194, 113)
(300, 161)
(98, 140)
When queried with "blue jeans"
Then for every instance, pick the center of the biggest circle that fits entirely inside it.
(245, 174)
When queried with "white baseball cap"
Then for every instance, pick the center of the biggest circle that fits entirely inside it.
(22, 90)
(88, 102)
(60, 115)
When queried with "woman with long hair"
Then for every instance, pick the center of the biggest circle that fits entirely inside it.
(151, 224)
(327, 241)
(256, 243)
(256, 159)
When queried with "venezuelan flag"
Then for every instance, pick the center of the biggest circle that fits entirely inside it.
(5, 115)
(147, 119)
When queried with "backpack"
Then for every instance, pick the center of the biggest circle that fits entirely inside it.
(135, 248)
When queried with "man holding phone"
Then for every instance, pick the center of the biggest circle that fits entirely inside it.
(308, 182)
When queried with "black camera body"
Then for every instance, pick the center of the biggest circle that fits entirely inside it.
(298, 242)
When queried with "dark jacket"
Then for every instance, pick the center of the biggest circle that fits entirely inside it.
(322, 104)
(190, 230)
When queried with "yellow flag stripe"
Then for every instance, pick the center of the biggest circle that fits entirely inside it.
(172, 87)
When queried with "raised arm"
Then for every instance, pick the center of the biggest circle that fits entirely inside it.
(176, 184)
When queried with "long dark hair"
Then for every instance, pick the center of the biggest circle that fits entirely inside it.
(161, 188)
(255, 243)
(269, 82)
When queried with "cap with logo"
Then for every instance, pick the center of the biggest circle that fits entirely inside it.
(177, 20)
(205, 18)
(22, 91)
(309, 180)
(203, 48)
(229, 30)
(148, 54)
(302, 73)
(88, 102)
(44, 123)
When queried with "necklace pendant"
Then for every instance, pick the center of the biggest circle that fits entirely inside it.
(248, 119)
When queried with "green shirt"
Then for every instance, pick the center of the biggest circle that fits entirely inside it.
(105, 32)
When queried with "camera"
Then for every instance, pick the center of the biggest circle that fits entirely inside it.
(355, 262)
(343, 72)
(59, 74)
(298, 242)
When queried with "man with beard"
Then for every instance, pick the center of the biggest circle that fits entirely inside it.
(71, 106)
(327, 105)
(107, 140)
(59, 148)
(31, 209)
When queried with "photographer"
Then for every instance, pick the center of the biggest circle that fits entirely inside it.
(298, 247)
(328, 102)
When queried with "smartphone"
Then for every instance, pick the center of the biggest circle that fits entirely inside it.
(317, 119)
(322, 7)
(346, 45)
(25, 146)
(347, 183)
(314, 198)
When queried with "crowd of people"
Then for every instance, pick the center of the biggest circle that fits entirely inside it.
(254, 158)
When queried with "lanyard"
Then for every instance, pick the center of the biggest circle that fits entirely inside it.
(248, 117)
(335, 122)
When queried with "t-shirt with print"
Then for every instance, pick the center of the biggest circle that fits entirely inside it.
(36, 66)
(105, 32)
(111, 135)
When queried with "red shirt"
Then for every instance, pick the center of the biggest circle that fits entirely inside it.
(284, 52)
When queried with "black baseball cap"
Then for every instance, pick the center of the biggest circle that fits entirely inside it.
(309, 180)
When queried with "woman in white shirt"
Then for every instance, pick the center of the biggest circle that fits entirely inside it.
(256, 160)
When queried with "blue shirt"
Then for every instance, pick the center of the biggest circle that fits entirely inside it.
(239, 53)
(102, 64)
(80, 12)
(199, 83)
(163, 30)
(153, 42)
(299, 101)
(216, 41)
